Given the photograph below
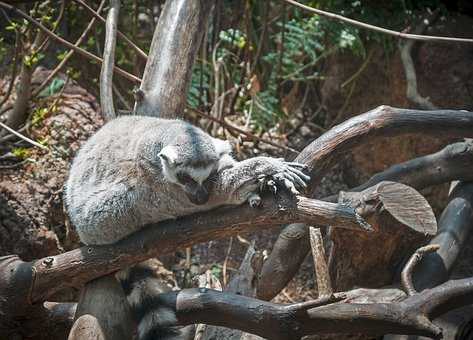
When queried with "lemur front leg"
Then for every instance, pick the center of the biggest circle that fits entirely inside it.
(244, 180)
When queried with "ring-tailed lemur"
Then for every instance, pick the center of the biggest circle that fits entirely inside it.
(136, 170)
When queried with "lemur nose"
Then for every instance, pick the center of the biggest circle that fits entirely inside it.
(200, 196)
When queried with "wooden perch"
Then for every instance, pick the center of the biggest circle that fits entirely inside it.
(275, 321)
(364, 311)
(292, 245)
(167, 74)
(23, 283)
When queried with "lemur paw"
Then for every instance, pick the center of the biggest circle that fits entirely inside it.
(290, 175)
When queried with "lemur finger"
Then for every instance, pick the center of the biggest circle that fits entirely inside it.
(302, 175)
(297, 165)
(290, 186)
(296, 179)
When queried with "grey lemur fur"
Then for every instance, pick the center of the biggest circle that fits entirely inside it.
(136, 170)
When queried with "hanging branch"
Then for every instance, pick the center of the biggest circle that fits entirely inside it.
(405, 49)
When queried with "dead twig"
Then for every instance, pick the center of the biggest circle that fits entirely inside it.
(324, 284)
(19, 135)
(405, 49)
(406, 275)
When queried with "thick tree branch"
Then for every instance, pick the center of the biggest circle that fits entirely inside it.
(412, 315)
(22, 283)
(176, 40)
(455, 224)
(452, 163)
(292, 245)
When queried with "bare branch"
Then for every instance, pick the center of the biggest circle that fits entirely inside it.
(19, 135)
(106, 73)
(65, 42)
(363, 25)
(78, 266)
(324, 284)
(406, 275)
(411, 79)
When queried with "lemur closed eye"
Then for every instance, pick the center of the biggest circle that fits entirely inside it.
(136, 170)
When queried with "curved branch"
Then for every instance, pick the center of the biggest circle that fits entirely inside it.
(405, 50)
(406, 275)
(292, 245)
(412, 315)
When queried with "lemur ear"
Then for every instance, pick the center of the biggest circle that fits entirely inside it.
(222, 146)
(168, 154)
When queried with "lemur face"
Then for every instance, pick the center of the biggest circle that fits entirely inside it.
(192, 174)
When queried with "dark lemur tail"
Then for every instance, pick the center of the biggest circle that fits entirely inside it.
(154, 319)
